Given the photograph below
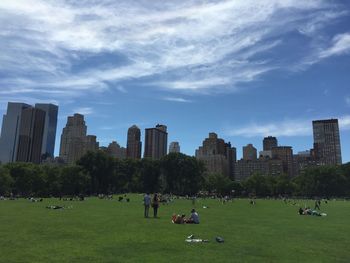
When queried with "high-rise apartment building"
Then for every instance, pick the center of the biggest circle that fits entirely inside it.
(49, 136)
(249, 152)
(31, 134)
(31, 138)
(74, 141)
(174, 147)
(327, 142)
(156, 141)
(133, 145)
(269, 142)
(218, 156)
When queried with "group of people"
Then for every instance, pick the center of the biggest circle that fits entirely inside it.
(149, 201)
(193, 219)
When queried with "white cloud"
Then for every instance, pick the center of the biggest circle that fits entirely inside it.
(195, 45)
(347, 100)
(177, 99)
(284, 128)
(340, 45)
(84, 110)
(344, 122)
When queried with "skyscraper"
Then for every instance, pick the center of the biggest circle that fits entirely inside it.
(174, 147)
(249, 152)
(10, 131)
(327, 141)
(74, 141)
(133, 145)
(49, 136)
(269, 142)
(156, 141)
(31, 133)
(31, 138)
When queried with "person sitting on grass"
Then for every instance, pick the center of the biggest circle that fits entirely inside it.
(194, 218)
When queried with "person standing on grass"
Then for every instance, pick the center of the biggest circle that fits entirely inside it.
(146, 203)
(155, 204)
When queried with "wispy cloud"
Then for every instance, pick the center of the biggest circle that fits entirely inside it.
(84, 110)
(177, 99)
(180, 46)
(340, 45)
(283, 128)
(347, 100)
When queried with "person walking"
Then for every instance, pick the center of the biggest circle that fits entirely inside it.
(146, 203)
(155, 204)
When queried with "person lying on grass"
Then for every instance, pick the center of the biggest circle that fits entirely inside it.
(309, 211)
(177, 219)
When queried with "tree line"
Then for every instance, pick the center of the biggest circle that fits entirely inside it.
(176, 173)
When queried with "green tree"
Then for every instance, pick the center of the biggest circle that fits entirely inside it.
(183, 174)
(220, 184)
(6, 181)
(100, 168)
(74, 181)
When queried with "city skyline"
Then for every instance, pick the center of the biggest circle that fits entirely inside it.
(254, 70)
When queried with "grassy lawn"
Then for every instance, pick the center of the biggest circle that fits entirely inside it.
(111, 231)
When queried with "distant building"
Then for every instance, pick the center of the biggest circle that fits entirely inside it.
(133, 145)
(156, 141)
(285, 154)
(262, 166)
(303, 160)
(327, 142)
(265, 154)
(218, 156)
(74, 141)
(116, 151)
(31, 138)
(249, 152)
(269, 142)
(174, 147)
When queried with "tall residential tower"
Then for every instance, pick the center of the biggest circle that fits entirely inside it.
(156, 141)
(327, 141)
(133, 145)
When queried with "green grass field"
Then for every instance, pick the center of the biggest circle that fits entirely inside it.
(111, 231)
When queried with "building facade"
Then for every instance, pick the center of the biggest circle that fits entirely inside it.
(31, 134)
(116, 151)
(10, 131)
(134, 145)
(49, 135)
(327, 142)
(174, 147)
(249, 152)
(269, 142)
(74, 141)
(156, 142)
(218, 156)
(285, 154)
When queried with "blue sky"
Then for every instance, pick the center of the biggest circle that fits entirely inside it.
(243, 69)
